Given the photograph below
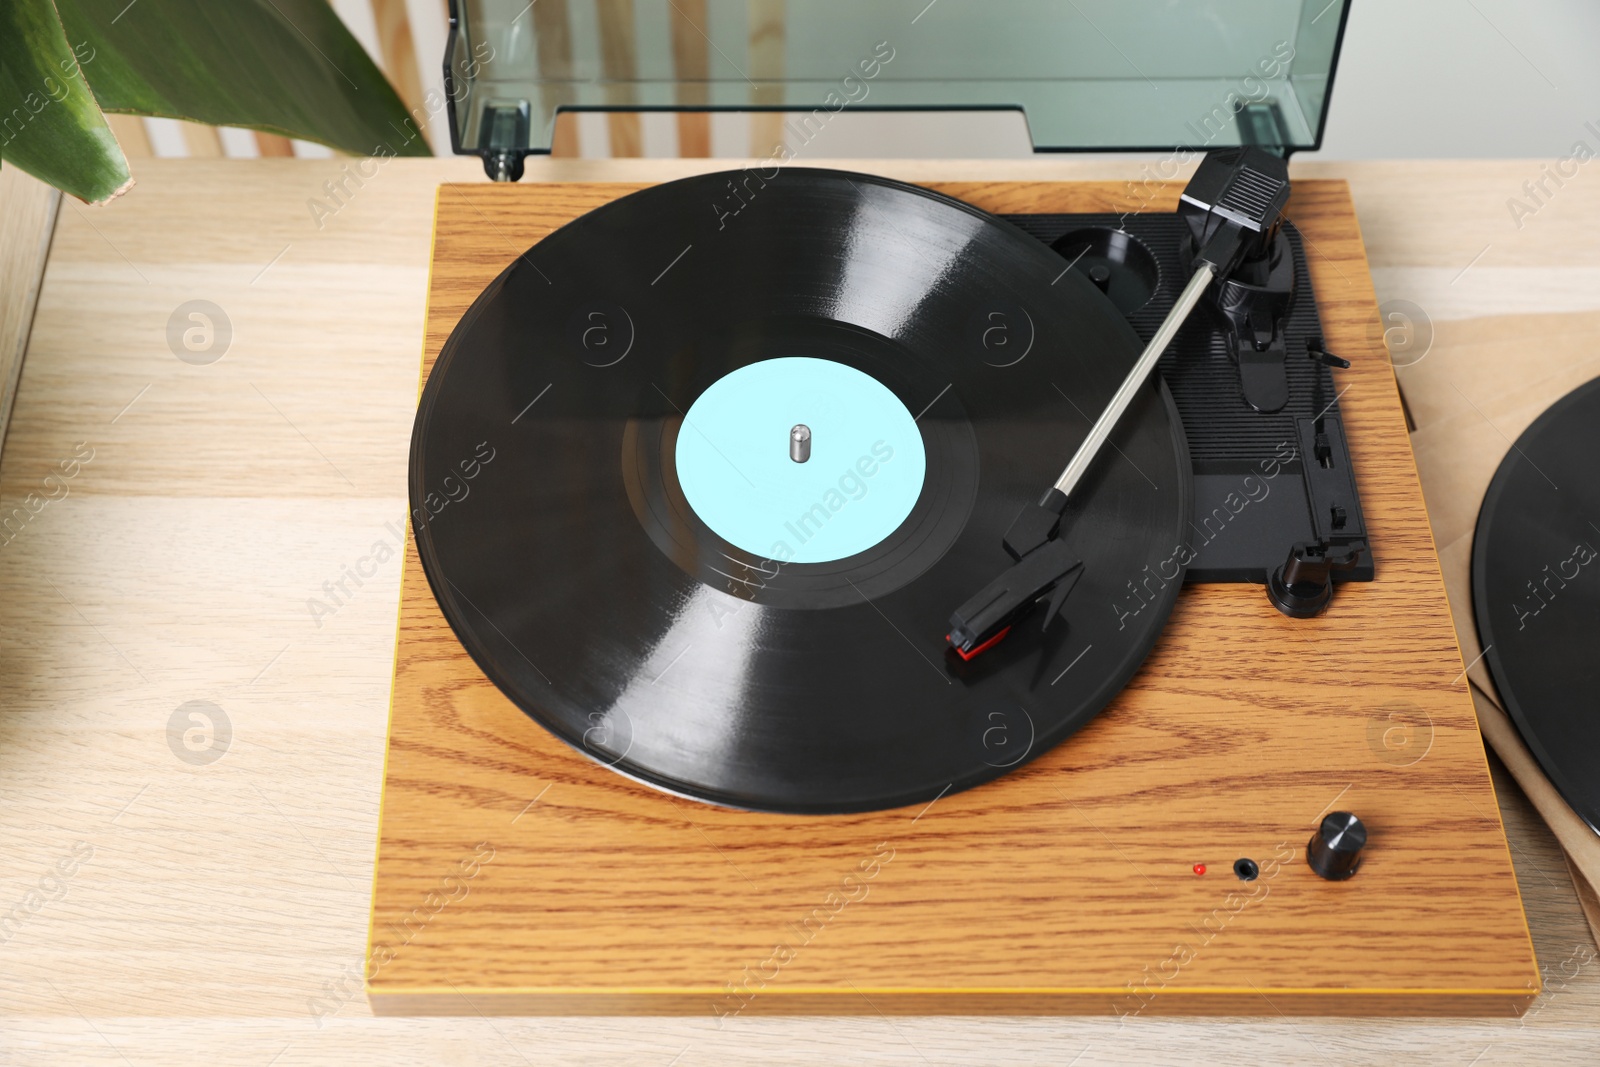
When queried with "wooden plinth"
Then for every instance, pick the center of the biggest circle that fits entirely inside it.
(514, 876)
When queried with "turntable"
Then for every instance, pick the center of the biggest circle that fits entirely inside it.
(829, 595)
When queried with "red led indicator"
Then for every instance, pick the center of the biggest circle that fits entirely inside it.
(1199, 868)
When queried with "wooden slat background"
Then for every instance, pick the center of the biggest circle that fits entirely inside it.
(406, 38)
(28, 209)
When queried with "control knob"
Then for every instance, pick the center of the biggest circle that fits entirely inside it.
(1335, 849)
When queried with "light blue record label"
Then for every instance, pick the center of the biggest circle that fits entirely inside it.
(861, 479)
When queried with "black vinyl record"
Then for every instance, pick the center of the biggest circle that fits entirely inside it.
(1536, 593)
(555, 528)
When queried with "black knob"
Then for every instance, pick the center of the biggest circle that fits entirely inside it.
(1335, 849)
(1303, 586)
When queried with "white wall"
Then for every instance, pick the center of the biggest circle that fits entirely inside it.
(1465, 78)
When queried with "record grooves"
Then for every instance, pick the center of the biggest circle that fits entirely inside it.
(595, 596)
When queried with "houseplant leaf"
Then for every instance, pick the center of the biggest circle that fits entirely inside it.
(50, 125)
(286, 66)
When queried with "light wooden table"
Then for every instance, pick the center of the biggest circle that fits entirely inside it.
(219, 909)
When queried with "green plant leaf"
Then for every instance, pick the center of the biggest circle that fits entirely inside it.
(50, 125)
(285, 66)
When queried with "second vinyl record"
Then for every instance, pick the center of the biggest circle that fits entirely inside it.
(1536, 592)
(612, 514)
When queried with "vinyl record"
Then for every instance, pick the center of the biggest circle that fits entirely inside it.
(611, 518)
(1536, 593)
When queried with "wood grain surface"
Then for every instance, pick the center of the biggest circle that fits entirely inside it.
(223, 913)
(1066, 886)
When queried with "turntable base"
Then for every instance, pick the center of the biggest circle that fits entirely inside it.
(515, 876)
